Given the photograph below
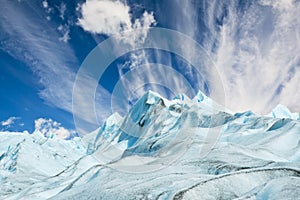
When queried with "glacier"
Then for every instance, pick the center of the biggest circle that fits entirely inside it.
(162, 149)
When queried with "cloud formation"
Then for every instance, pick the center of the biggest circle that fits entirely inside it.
(113, 18)
(254, 46)
(50, 128)
(10, 121)
(48, 59)
(105, 16)
(35, 42)
(45, 4)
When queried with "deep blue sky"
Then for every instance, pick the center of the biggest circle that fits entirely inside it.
(254, 46)
(20, 84)
(20, 78)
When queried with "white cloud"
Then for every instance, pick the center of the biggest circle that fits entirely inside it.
(113, 18)
(34, 42)
(66, 37)
(31, 42)
(49, 128)
(105, 16)
(65, 31)
(10, 121)
(46, 7)
(256, 53)
(62, 10)
(144, 76)
(139, 29)
(45, 4)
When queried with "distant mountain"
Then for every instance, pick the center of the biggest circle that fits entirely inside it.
(162, 149)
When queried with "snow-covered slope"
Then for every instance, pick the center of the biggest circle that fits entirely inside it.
(179, 149)
(29, 158)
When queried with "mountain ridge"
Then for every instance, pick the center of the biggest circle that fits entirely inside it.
(154, 152)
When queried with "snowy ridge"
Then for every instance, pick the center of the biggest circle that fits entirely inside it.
(29, 158)
(154, 153)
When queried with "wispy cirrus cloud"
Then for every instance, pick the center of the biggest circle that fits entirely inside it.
(256, 52)
(30, 38)
(113, 18)
(254, 46)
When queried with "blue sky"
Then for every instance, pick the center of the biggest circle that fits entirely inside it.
(29, 45)
(254, 47)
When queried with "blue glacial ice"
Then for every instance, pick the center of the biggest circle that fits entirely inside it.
(153, 152)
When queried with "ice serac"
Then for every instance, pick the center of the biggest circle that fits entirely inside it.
(281, 111)
(255, 157)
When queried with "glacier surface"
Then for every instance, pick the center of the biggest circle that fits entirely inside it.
(162, 149)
